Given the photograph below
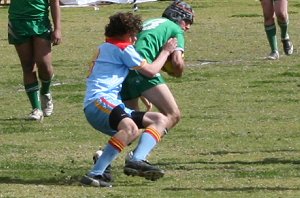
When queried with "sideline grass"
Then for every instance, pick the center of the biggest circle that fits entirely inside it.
(239, 134)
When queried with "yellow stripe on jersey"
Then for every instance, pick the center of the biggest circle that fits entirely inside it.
(99, 106)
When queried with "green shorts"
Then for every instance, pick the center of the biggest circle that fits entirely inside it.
(20, 31)
(135, 84)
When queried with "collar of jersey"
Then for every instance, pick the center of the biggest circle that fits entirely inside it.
(119, 43)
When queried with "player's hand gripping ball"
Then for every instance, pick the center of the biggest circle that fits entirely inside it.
(168, 66)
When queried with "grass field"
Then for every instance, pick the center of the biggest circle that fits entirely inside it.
(240, 131)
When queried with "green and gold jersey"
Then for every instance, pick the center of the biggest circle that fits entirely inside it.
(28, 9)
(155, 34)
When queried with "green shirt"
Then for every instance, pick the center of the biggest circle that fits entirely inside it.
(155, 34)
(28, 9)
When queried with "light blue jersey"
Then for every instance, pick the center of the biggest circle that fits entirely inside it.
(109, 70)
(111, 65)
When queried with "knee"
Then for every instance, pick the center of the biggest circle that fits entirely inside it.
(173, 118)
(269, 20)
(28, 67)
(162, 120)
(282, 18)
(132, 132)
(176, 116)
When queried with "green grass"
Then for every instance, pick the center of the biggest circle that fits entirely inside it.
(239, 133)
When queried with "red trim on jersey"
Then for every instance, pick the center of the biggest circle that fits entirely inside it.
(107, 102)
(119, 43)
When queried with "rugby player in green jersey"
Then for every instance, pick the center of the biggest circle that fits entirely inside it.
(176, 19)
(279, 9)
(31, 32)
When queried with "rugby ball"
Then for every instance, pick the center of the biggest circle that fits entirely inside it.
(168, 66)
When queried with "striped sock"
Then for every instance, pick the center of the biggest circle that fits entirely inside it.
(147, 142)
(110, 152)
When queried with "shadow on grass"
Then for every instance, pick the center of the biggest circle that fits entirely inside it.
(4, 120)
(262, 162)
(13, 120)
(265, 161)
(68, 180)
(236, 189)
(17, 125)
